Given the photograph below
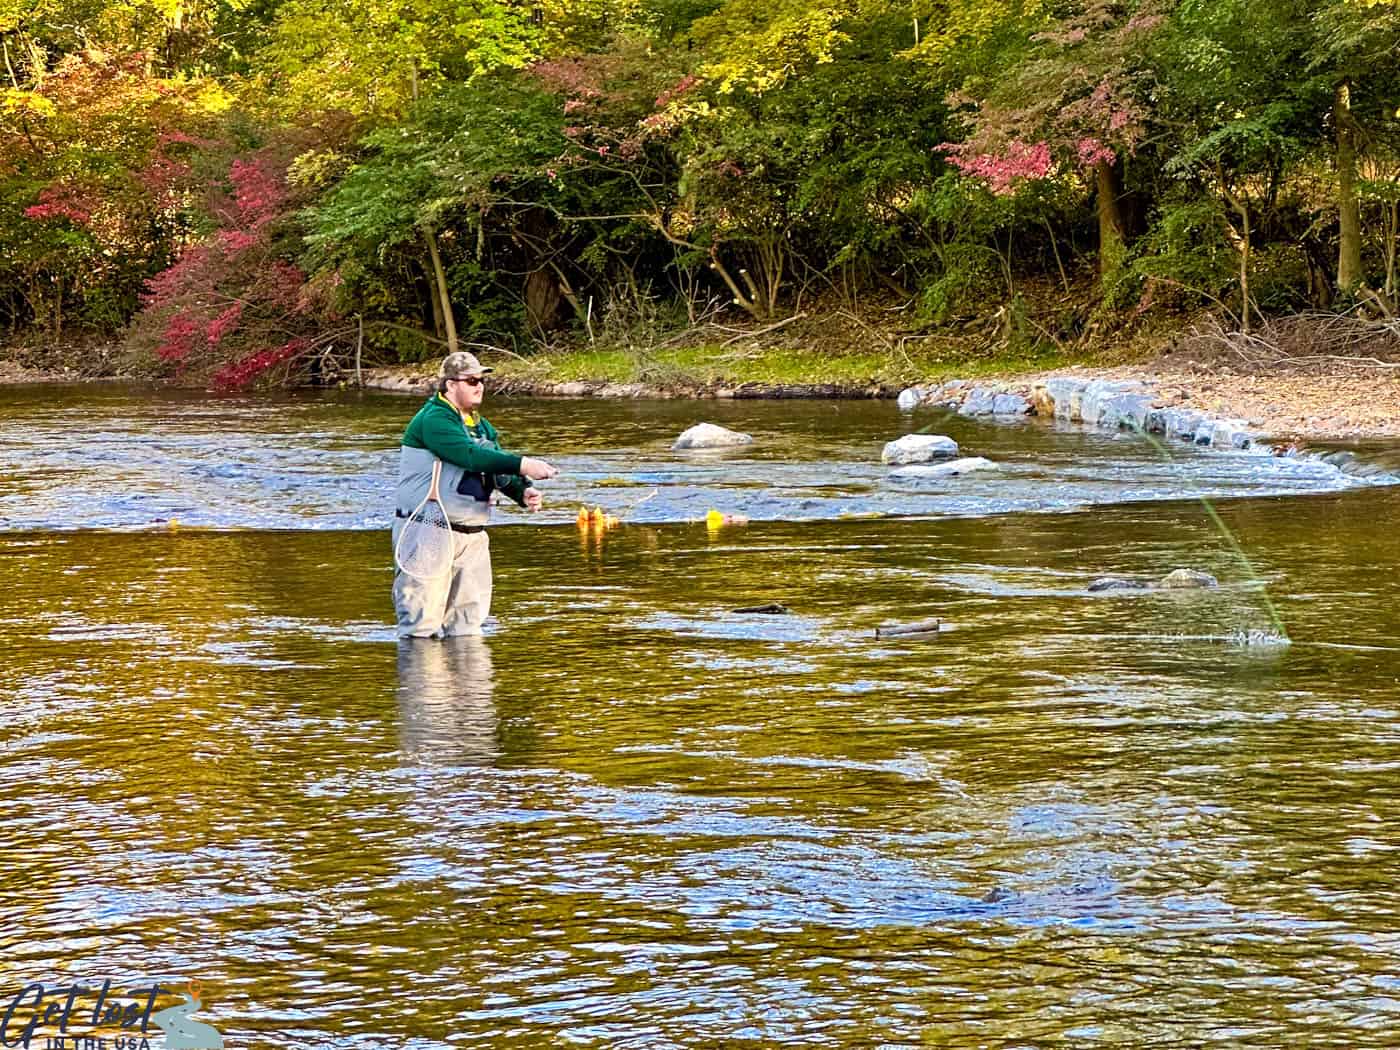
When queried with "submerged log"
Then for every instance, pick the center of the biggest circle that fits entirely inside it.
(891, 630)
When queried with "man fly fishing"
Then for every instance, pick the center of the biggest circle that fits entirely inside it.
(450, 430)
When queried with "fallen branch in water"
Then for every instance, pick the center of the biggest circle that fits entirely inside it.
(892, 630)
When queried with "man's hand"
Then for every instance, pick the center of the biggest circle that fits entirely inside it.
(533, 500)
(536, 469)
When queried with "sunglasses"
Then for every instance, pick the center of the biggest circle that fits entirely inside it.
(470, 380)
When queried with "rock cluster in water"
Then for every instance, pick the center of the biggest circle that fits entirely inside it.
(1122, 404)
(1112, 403)
(1176, 580)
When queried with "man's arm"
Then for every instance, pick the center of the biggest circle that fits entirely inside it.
(513, 486)
(447, 440)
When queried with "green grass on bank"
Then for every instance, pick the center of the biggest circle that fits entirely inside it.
(777, 366)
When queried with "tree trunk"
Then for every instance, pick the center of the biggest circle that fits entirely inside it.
(1392, 230)
(542, 296)
(58, 311)
(14, 80)
(1348, 211)
(1112, 240)
(440, 283)
(439, 329)
(1241, 206)
(1244, 267)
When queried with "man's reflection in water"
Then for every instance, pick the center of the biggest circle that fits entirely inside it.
(445, 709)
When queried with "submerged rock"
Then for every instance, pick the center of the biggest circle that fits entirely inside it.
(708, 435)
(953, 468)
(1363, 470)
(771, 609)
(1117, 583)
(1184, 579)
(919, 448)
(1176, 580)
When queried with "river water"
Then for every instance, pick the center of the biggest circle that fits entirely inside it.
(630, 817)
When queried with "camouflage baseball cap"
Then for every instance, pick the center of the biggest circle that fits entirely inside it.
(455, 366)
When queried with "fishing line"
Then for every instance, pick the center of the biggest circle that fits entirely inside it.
(1214, 516)
(1226, 532)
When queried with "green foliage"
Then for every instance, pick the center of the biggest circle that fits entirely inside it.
(463, 151)
(757, 45)
(1187, 251)
(617, 165)
(371, 58)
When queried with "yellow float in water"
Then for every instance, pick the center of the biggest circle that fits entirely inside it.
(715, 519)
(595, 519)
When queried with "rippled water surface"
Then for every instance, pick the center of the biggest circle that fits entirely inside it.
(630, 817)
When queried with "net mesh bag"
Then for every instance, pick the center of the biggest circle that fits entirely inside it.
(424, 548)
(425, 543)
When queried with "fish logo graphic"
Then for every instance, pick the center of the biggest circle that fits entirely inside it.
(181, 1033)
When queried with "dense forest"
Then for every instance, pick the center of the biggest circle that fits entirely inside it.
(231, 190)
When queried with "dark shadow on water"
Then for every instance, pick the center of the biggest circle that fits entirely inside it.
(446, 714)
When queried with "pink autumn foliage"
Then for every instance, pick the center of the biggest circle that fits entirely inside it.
(60, 202)
(1108, 113)
(1001, 171)
(225, 323)
(1090, 151)
(178, 279)
(181, 332)
(235, 242)
(246, 369)
(568, 76)
(685, 84)
(259, 188)
(228, 297)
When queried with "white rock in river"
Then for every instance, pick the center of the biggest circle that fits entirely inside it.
(919, 448)
(909, 397)
(707, 435)
(946, 470)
